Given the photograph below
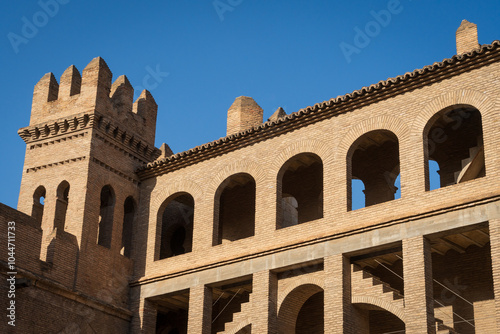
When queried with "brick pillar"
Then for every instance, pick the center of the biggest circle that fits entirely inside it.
(495, 261)
(202, 225)
(200, 310)
(338, 308)
(144, 320)
(264, 300)
(418, 292)
(265, 202)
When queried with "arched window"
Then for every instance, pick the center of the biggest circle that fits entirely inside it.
(175, 226)
(38, 204)
(453, 138)
(234, 212)
(61, 205)
(300, 190)
(106, 216)
(128, 225)
(374, 159)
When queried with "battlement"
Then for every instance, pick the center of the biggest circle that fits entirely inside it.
(94, 92)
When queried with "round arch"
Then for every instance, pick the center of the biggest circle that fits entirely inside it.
(174, 225)
(292, 304)
(450, 136)
(374, 158)
(383, 304)
(481, 101)
(234, 208)
(299, 181)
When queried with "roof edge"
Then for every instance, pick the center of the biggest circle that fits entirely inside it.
(322, 110)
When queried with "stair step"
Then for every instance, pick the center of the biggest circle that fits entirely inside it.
(472, 166)
(441, 328)
(237, 316)
(375, 282)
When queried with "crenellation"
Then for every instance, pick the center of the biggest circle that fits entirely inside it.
(70, 83)
(92, 93)
(45, 91)
(122, 95)
(96, 86)
(145, 106)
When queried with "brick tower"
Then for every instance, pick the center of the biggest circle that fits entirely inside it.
(85, 139)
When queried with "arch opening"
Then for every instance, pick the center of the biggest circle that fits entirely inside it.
(38, 204)
(129, 208)
(310, 319)
(61, 205)
(300, 190)
(176, 226)
(106, 212)
(302, 311)
(453, 138)
(234, 213)
(374, 159)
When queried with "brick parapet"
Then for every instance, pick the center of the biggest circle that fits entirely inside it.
(92, 92)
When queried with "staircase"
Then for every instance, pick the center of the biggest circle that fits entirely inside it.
(366, 285)
(237, 317)
(443, 329)
(473, 165)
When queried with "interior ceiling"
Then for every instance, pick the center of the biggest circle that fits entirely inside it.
(440, 244)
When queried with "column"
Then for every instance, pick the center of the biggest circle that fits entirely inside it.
(418, 292)
(200, 310)
(338, 308)
(264, 299)
(495, 262)
(144, 320)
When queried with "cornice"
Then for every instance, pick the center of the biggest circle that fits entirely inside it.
(54, 131)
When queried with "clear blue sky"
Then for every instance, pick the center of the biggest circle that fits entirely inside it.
(282, 53)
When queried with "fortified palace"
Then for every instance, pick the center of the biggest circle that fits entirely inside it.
(255, 232)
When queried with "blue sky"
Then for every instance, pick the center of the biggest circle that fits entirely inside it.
(282, 53)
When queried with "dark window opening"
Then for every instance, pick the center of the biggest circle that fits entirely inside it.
(106, 216)
(454, 140)
(61, 205)
(38, 204)
(176, 230)
(374, 159)
(128, 225)
(235, 209)
(300, 190)
(172, 322)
